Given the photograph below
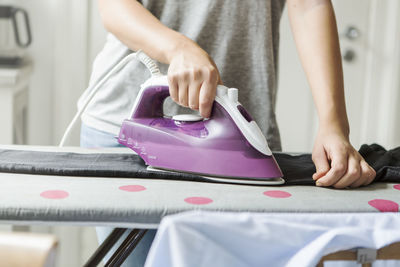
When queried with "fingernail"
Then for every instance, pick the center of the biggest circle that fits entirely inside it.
(318, 183)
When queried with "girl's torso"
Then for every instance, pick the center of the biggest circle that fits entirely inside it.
(241, 36)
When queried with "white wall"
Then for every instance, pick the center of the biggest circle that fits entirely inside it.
(78, 38)
(381, 110)
(295, 109)
(40, 117)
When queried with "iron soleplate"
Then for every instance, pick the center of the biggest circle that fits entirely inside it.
(230, 180)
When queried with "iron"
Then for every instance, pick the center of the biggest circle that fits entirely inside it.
(227, 147)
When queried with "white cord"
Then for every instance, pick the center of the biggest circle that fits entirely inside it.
(149, 63)
(145, 59)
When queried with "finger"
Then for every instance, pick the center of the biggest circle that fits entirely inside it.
(338, 169)
(321, 163)
(352, 174)
(196, 78)
(183, 93)
(194, 92)
(173, 87)
(365, 176)
(206, 98)
(370, 173)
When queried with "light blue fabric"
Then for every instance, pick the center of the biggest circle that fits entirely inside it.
(92, 138)
(202, 239)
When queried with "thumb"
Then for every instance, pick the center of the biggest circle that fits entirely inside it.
(321, 163)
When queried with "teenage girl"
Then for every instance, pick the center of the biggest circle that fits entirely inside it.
(234, 42)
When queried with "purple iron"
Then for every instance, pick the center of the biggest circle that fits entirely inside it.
(227, 147)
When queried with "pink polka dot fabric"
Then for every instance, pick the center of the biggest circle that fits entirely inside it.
(277, 194)
(384, 205)
(54, 194)
(132, 188)
(397, 186)
(198, 200)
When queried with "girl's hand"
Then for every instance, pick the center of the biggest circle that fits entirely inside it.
(192, 74)
(338, 164)
(193, 78)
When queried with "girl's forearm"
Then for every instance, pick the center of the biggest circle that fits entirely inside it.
(314, 28)
(138, 29)
(192, 74)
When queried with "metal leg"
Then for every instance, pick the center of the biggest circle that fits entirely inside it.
(105, 247)
(127, 246)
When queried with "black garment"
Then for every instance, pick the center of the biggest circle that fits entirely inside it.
(386, 163)
(297, 169)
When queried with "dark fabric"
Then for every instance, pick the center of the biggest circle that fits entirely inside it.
(79, 164)
(386, 163)
(297, 169)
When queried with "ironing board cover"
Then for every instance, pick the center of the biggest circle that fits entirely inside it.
(133, 202)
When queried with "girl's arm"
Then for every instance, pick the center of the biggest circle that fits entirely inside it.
(314, 28)
(192, 74)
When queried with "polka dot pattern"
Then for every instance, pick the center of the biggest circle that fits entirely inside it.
(54, 194)
(132, 188)
(277, 194)
(198, 200)
(384, 205)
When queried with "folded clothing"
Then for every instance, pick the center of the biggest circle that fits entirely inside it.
(297, 169)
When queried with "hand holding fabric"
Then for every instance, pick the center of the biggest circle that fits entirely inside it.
(338, 164)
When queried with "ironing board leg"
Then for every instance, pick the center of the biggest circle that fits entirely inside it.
(127, 246)
(105, 247)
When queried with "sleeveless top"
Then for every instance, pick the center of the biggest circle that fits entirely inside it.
(241, 36)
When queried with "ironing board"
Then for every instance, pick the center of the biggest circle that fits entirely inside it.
(142, 203)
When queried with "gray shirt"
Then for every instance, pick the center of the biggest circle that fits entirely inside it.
(241, 36)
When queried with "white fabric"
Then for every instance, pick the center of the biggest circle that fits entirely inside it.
(272, 239)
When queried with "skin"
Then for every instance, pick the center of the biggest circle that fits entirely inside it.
(314, 28)
(193, 76)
